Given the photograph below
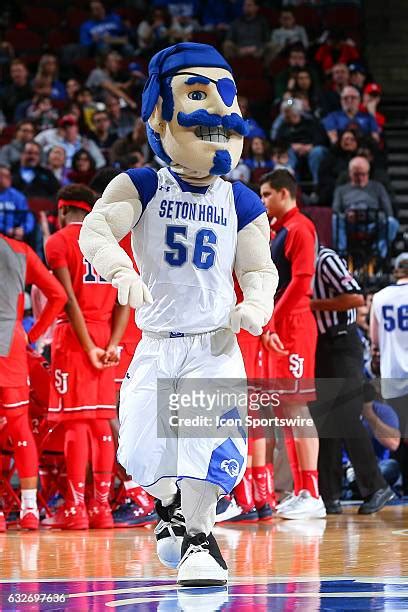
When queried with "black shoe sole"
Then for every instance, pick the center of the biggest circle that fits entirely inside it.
(207, 582)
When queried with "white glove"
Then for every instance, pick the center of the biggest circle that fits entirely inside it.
(131, 288)
(247, 316)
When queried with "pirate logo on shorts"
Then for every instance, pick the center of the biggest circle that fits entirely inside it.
(61, 381)
(296, 365)
(231, 466)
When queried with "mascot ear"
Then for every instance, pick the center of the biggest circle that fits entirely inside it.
(156, 121)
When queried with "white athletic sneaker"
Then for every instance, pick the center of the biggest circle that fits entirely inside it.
(169, 533)
(286, 501)
(304, 507)
(201, 563)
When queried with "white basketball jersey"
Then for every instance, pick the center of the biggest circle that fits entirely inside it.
(390, 306)
(184, 246)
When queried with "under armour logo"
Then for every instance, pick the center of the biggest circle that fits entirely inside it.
(296, 365)
(71, 510)
(138, 512)
(22, 443)
(104, 484)
(164, 188)
(231, 467)
(107, 439)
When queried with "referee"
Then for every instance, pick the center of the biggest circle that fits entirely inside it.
(339, 386)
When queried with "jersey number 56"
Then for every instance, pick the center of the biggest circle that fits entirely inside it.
(204, 253)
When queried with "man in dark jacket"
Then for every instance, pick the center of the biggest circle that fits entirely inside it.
(31, 178)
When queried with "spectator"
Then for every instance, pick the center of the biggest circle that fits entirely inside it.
(136, 159)
(182, 27)
(371, 100)
(136, 140)
(56, 163)
(103, 135)
(10, 153)
(248, 34)
(110, 79)
(103, 31)
(72, 86)
(41, 86)
(259, 156)
(365, 195)
(122, 120)
(32, 179)
(240, 173)
(48, 68)
(42, 113)
(336, 50)
(83, 168)
(335, 163)
(153, 32)
(331, 98)
(254, 127)
(18, 91)
(302, 83)
(288, 34)
(67, 135)
(350, 117)
(296, 61)
(217, 15)
(15, 219)
(83, 108)
(304, 136)
(358, 76)
(382, 423)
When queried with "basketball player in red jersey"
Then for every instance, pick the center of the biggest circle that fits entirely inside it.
(291, 337)
(20, 266)
(84, 348)
(254, 494)
(136, 507)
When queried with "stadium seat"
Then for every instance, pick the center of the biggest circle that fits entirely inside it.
(76, 17)
(7, 134)
(127, 13)
(60, 37)
(85, 65)
(206, 38)
(307, 16)
(322, 218)
(271, 15)
(256, 90)
(24, 39)
(247, 67)
(41, 18)
(347, 16)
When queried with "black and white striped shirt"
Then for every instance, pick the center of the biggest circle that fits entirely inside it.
(331, 279)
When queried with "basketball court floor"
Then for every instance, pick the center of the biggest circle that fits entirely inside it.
(346, 562)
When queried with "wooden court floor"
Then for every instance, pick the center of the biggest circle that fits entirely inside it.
(346, 562)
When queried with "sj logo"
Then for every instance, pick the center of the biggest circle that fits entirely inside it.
(61, 381)
(296, 365)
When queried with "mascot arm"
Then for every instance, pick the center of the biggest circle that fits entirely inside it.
(112, 217)
(257, 277)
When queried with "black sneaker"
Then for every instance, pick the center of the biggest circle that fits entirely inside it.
(333, 507)
(202, 563)
(170, 532)
(377, 500)
(265, 513)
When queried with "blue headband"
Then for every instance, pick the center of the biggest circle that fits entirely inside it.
(172, 59)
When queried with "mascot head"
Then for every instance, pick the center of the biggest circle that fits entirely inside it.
(190, 105)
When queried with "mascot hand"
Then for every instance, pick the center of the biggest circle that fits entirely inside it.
(131, 288)
(247, 316)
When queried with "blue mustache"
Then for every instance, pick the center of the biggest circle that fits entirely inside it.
(202, 117)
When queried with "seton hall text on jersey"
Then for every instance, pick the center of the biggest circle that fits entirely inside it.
(193, 211)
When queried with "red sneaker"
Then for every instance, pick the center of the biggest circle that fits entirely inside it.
(3, 526)
(68, 516)
(29, 519)
(100, 515)
(143, 499)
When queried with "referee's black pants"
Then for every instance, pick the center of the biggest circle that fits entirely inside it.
(336, 413)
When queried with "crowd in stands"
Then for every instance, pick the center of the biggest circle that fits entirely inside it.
(70, 104)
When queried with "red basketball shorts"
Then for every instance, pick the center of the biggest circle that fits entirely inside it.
(292, 375)
(78, 390)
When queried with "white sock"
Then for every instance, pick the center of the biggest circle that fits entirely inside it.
(28, 498)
